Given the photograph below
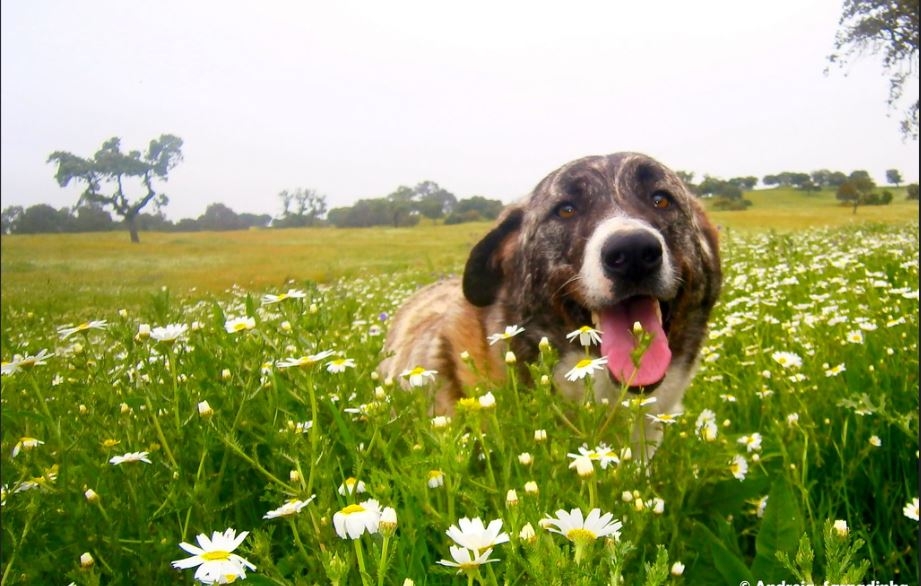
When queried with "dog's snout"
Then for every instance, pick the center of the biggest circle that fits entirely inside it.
(631, 255)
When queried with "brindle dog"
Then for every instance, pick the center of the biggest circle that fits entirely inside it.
(615, 242)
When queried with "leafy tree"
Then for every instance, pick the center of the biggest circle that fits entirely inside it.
(857, 190)
(218, 217)
(688, 178)
(744, 183)
(889, 27)
(92, 218)
(301, 207)
(433, 201)
(111, 167)
(911, 191)
(43, 219)
(475, 209)
(893, 177)
(9, 219)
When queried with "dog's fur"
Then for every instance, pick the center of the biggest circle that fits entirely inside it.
(592, 234)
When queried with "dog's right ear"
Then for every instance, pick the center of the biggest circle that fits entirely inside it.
(485, 266)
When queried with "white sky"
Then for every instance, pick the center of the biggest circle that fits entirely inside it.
(353, 99)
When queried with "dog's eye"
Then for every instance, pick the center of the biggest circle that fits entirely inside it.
(661, 201)
(566, 210)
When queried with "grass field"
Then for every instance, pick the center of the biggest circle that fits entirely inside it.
(194, 396)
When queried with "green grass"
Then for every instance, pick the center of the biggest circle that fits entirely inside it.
(838, 433)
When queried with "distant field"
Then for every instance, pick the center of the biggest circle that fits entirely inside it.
(74, 270)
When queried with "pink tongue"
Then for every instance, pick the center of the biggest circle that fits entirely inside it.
(618, 342)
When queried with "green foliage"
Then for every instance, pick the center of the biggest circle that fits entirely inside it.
(110, 166)
(843, 301)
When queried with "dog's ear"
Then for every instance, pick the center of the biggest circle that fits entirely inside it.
(484, 271)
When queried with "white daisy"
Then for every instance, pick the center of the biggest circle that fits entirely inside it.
(169, 333)
(354, 520)
(290, 508)
(464, 559)
(419, 376)
(217, 564)
(67, 331)
(587, 336)
(472, 534)
(291, 294)
(239, 324)
(585, 367)
(308, 360)
(129, 458)
(575, 528)
(510, 332)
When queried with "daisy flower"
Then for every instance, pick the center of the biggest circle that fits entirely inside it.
(664, 418)
(25, 443)
(304, 360)
(239, 324)
(130, 457)
(290, 508)
(466, 560)
(751, 442)
(585, 367)
(20, 362)
(472, 534)
(352, 485)
(583, 465)
(419, 376)
(583, 531)
(787, 359)
(436, 479)
(739, 467)
(269, 299)
(510, 332)
(912, 509)
(339, 365)
(216, 562)
(67, 331)
(587, 336)
(835, 370)
(169, 333)
(354, 520)
(854, 337)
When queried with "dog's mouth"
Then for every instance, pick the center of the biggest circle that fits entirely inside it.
(634, 340)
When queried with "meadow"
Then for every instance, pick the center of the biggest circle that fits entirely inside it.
(219, 391)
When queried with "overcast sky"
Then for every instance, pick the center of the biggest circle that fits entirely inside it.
(353, 99)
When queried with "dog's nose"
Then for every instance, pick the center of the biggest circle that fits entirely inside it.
(631, 255)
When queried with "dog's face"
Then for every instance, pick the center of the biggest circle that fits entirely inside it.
(608, 241)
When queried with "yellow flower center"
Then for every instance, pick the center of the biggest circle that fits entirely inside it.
(215, 555)
(581, 535)
(351, 509)
(418, 371)
(584, 363)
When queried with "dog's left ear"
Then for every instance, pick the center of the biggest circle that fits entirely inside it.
(485, 266)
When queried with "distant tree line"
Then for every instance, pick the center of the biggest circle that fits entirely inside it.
(300, 207)
(856, 188)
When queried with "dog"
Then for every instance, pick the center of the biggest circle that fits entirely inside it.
(614, 242)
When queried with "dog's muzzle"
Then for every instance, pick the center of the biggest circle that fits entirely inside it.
(627, 276)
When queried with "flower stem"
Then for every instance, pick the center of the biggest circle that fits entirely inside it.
(361, 562)
(382, 567)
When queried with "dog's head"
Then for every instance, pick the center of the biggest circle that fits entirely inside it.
(608, 241)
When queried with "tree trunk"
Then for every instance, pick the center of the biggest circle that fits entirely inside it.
(131, 221)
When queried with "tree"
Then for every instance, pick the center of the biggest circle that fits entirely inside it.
(43, 219)
(111, 167)
(889, 27)
(856, 190)
(893, 177)
(911, 191)
(433, 201)
(9, 219)
(218, 217)
(301, 207)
